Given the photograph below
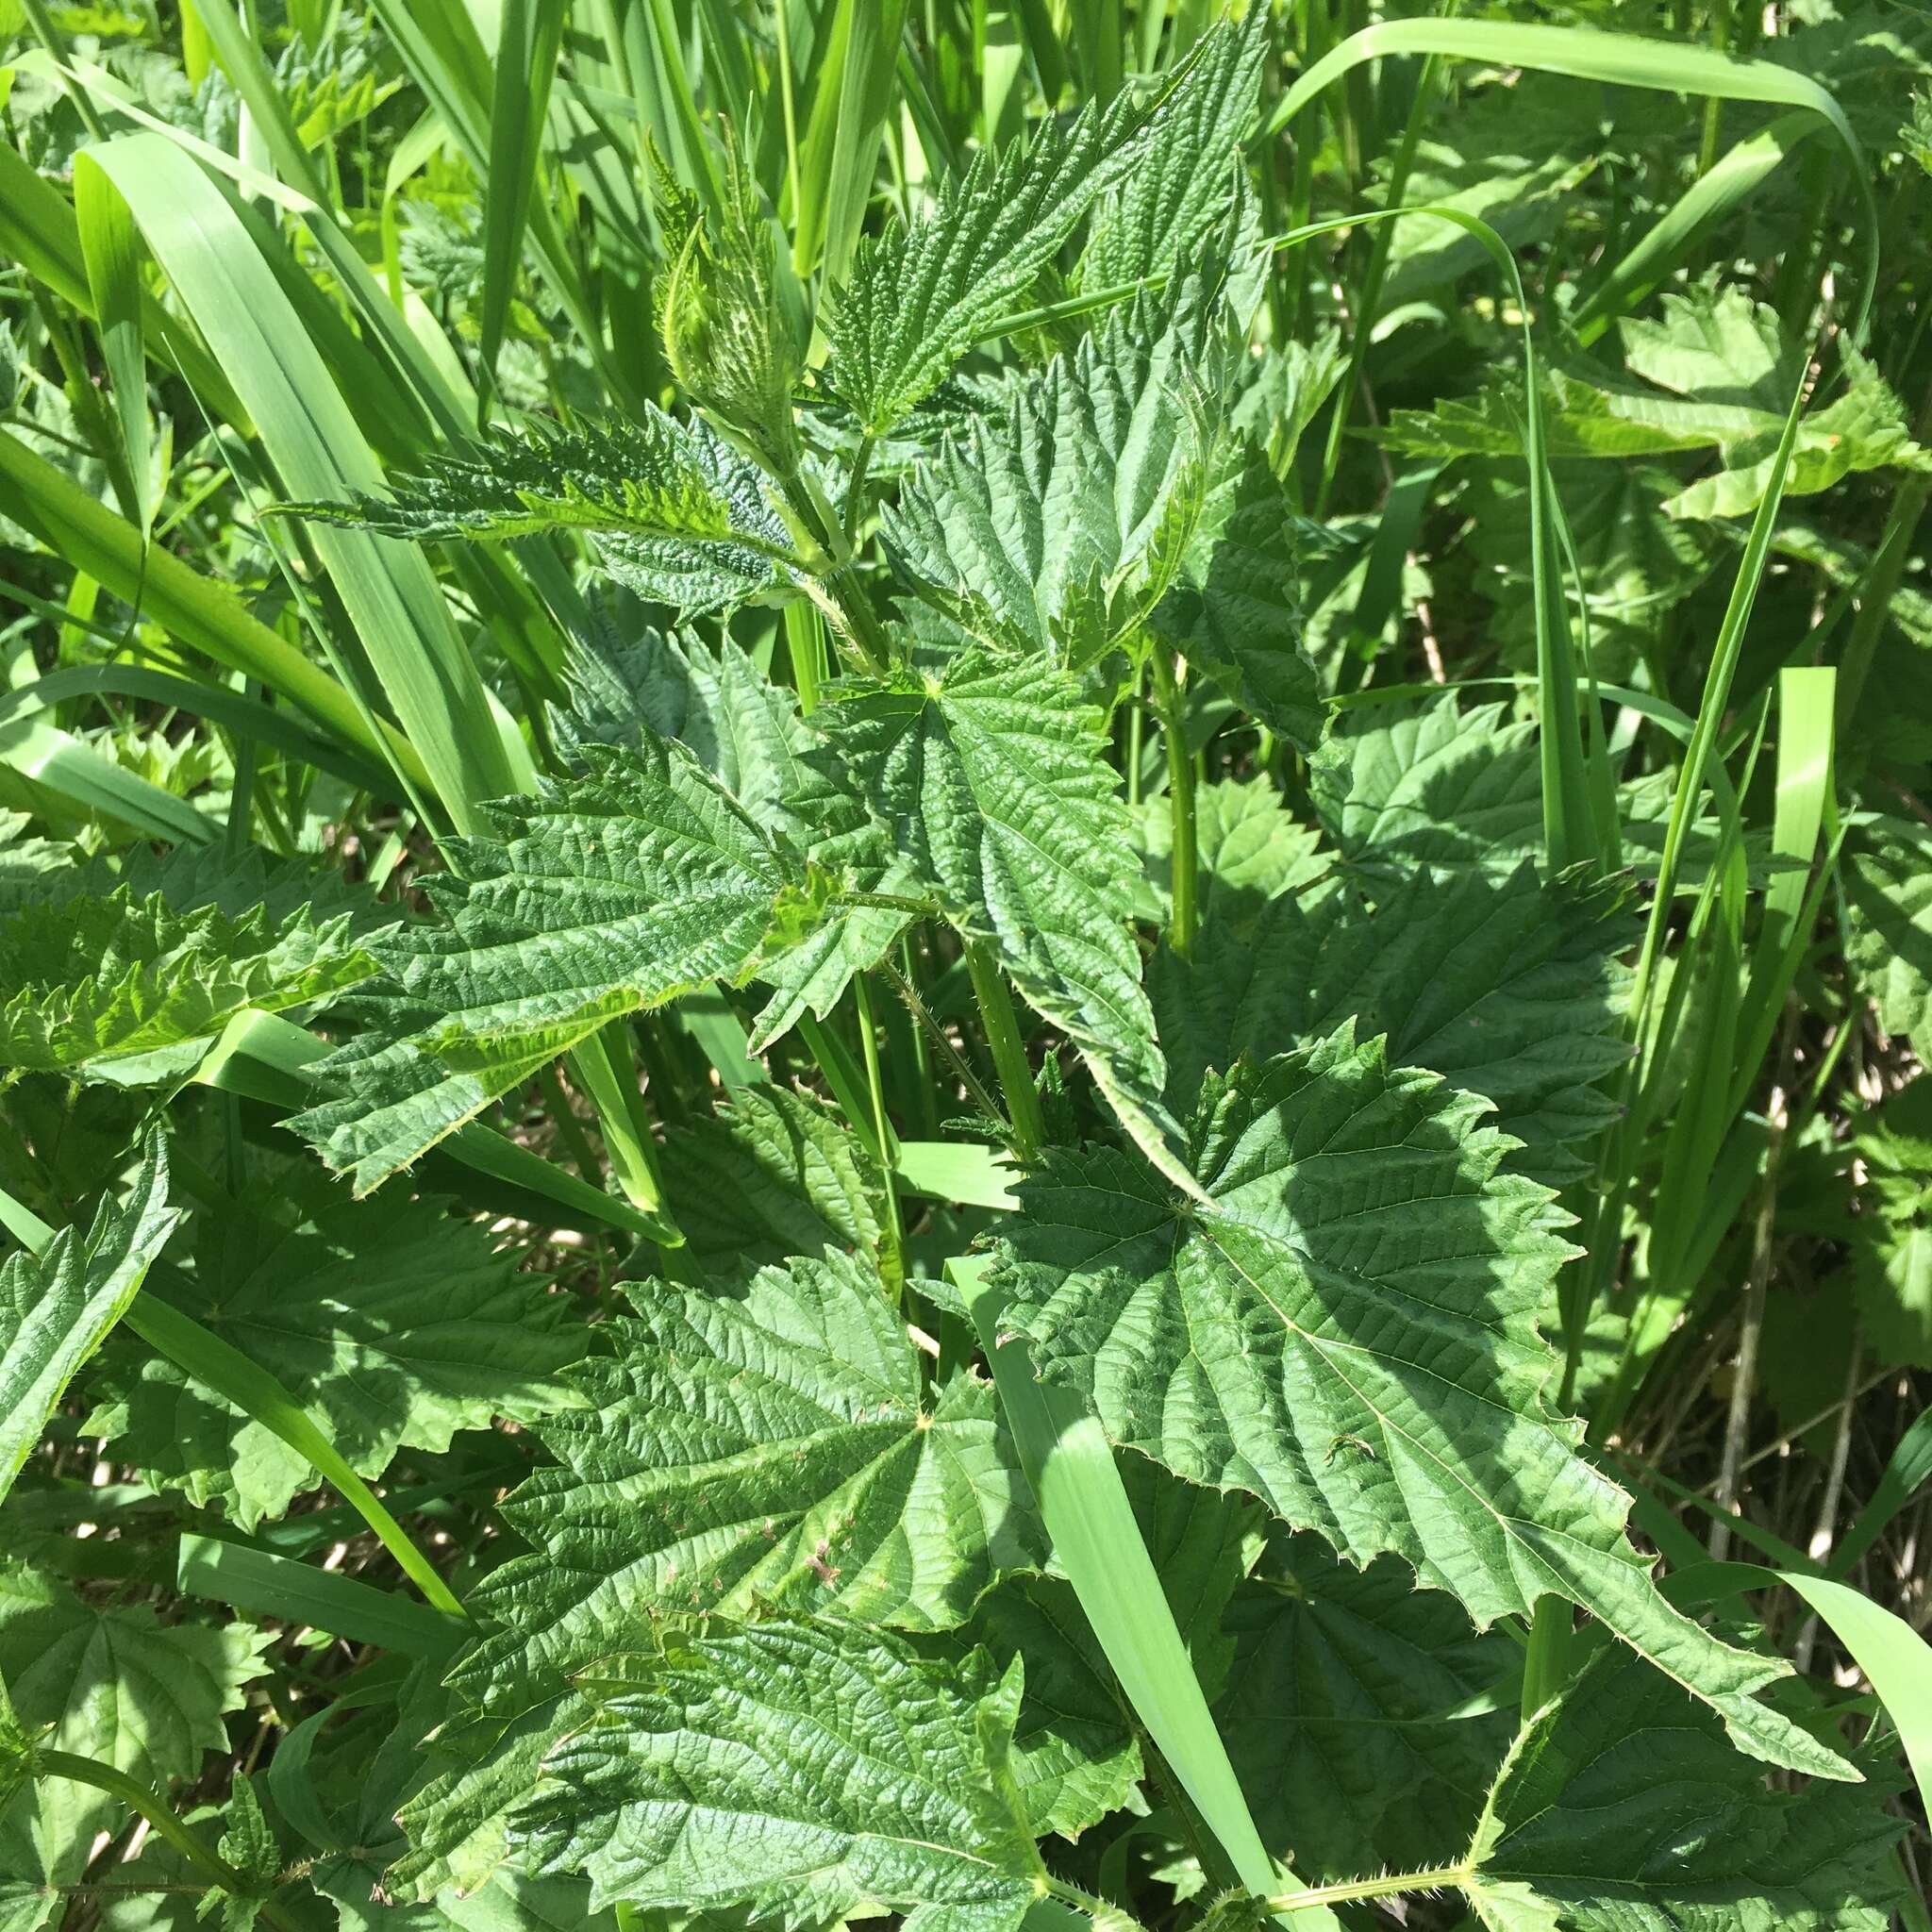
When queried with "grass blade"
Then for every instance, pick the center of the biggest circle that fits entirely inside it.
(1621, 60)
(206, 617)
(387, 587)
(260, 1584)
(230, 1373)
(1069, 1467)
(526, 49)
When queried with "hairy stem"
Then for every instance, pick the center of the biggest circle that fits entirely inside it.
(1390, 1885)
(868, 1035)
(1168, 699)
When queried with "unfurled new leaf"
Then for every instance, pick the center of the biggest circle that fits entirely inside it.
(797, 1773)
(678, 515)
(1346, 1327)
(1248, 849)
(58, 1307)
(772, 1446)
(730, 312)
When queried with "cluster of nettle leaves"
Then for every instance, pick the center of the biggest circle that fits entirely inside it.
(787, 1640)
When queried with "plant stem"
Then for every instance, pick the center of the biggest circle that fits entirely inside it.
(1009, 1051)
(902, 984)
(1546, 1663)
(569, 1127)
(868, 1035)
(1390, 1885)
(160, 1815)
(1185, 863)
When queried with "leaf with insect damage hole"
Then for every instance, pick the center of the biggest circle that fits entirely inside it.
(798, 1773)
(775, 1446)
(1345, 1326)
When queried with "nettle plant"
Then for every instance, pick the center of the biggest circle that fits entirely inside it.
(1129, 1390)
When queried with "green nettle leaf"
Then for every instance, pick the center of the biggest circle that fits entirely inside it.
(399, 1324)
(1724, 374)
(1504, 985)
(115, 1684)
(248, 1845)
(1888, 936)
(1438, 786)
(828, 936)
(102, 980)
(993, 784)
(390, 1100)
(1621, 1809)
(1345, 1326)
(801, 1774)
(677, 514)
(772, 1446)
(742, 728)
(1634, 564)
(1234, 610)
(1170, 205)
(771, 1174)
(921, 296)
(58, 1307)
(1893, 1241)
(1109, 490)
(638, 880)
(1249, 848)
(1055, 525)
(1356, 1712)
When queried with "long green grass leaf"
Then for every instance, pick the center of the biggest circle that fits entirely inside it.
(388, 590)
(1070, 1466)
(1620, 59)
